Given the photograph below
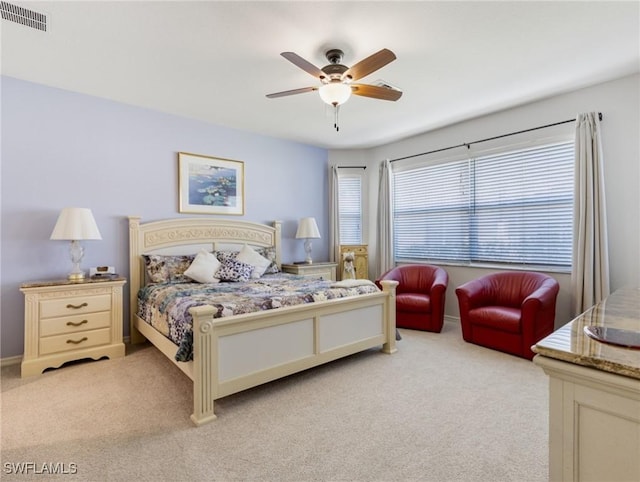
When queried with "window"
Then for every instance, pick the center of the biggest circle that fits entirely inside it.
(350, 192)
(513, 208)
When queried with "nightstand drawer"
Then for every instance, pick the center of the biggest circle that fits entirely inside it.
(325, 271)
(324, 274)
(74, 341)
(75, 323)
(74, 306)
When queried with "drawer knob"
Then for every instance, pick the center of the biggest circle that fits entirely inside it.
(77, 307)
(75, 342)
(78, 323)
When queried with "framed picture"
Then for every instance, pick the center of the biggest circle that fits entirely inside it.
(210, 185)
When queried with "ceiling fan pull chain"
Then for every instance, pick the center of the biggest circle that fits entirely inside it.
(335, 118)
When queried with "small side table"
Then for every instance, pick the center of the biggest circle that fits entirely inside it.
(360, 262)
(326, 271)
(65, 321)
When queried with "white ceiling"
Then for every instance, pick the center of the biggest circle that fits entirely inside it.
(216, 61)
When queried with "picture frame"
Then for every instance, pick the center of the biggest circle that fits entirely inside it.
(210, 185)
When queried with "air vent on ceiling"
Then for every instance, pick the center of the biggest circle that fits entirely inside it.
(23, 16)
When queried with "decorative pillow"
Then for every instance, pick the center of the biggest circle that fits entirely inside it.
(270, 254)
(259, 263)
(226, 255)
(203, 268)
(162, 268)
(234, 270)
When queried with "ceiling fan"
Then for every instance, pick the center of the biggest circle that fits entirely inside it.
(336, 79)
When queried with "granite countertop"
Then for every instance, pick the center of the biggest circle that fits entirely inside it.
(570, 343)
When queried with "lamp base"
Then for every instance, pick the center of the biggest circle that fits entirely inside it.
(75, 276)
(307, 249)
(77, 252)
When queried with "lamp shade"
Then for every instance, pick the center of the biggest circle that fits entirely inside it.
(335, 93)
(307, 228)
(76, 224)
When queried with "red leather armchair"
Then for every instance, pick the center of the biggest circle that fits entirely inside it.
(419, 295)
(508, 311)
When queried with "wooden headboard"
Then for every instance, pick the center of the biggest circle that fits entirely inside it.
(187, 236)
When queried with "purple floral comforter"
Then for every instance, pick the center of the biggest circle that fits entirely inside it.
(165, 306)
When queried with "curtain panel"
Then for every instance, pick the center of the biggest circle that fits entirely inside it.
(334, 215)
(384, 233)
(590, 273)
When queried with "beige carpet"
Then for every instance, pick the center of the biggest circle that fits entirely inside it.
(438, 410)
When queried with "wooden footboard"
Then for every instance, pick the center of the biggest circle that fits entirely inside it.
(240, 352)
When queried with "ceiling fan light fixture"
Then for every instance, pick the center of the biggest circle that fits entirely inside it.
(336, 79)
(335, 93)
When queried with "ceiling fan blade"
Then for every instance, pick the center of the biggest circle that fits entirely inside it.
(370, 64)
(291, 92)
(303, 64)
(382, 93)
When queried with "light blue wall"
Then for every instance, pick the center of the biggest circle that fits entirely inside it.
(61, 149)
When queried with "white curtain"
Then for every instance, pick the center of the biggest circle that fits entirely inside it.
(334, 215)
(385, 219)
(590, 274)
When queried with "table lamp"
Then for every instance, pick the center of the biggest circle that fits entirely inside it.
(76, 224)
(307, 230)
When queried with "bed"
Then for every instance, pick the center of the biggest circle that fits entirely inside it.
(237, 352)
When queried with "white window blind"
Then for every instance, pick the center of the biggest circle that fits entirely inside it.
(350, 192)
(513, 208)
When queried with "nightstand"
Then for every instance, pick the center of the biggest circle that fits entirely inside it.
(65, 321)
(326, 271)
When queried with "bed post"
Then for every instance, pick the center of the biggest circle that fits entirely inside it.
(205, 355)
(389, 287)
(278, 241)
(135, 281)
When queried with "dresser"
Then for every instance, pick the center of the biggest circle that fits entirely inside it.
(594, 394)
(326, 271)
(65, 321)
(360, 260)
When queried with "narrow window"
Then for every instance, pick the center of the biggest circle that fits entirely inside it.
(350, 192)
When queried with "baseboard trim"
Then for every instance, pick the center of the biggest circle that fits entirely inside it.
(451, 319)
(11, 360)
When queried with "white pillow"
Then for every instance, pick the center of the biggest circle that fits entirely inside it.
(259, 263)
(203, 268)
